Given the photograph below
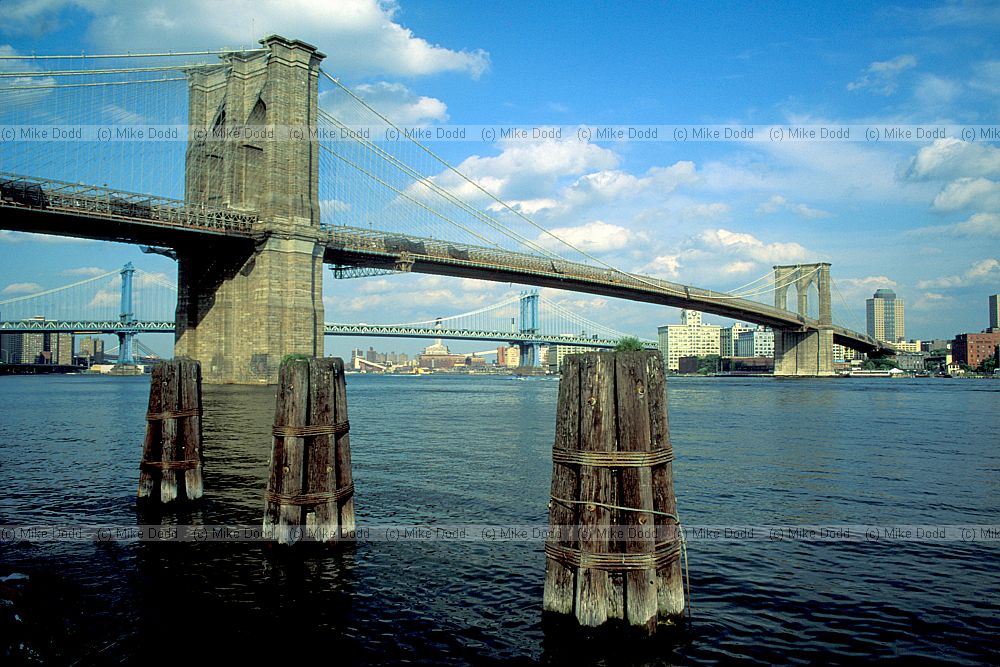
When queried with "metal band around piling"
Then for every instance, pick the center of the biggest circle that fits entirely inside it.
(613, 459)
(664, 554)
(309, 499)
(311, 430)
(172, 414)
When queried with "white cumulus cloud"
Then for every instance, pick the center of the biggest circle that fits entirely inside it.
(979, 193)
(359, 37)
(526, 171)
(395, 101)
(597, 236)
(749, 247)
(21, 288)
(978, 224)
(984, 271)
(953, 158)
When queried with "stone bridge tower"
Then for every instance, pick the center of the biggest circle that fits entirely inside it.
(242, 307)
(804, 352)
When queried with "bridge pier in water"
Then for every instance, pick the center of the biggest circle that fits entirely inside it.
(242, 307)
(801, 353)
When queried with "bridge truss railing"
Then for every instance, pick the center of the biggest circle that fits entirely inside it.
(77, 198)
(469, 334)
(406, 248)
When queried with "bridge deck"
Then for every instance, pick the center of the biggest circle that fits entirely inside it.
(68, 209)
(382, 250)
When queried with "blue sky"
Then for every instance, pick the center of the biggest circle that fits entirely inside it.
(922, 217)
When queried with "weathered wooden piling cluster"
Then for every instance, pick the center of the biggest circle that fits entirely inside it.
(615, 551)
(310, 490)
(171, 455)
(613, 555)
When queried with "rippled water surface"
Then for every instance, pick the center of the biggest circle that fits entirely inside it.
(438, 449)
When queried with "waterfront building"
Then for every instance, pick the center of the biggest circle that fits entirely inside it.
(743, 365)
(973, 349)
(844, 354)
(885, 317)
(911, 346)
(91, 350)
(438, 356)
(936, 344)
(728, 337)
(756, 343)
(690, 338)
(911, 361)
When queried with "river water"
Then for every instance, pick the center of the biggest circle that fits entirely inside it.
(436, 450)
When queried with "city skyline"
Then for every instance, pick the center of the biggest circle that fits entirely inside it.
(711, 213)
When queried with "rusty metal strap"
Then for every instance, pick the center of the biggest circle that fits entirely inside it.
(172, 414)
(664, 554)
(312, 429)
(309, 499)
(188, 464)
(613, 459)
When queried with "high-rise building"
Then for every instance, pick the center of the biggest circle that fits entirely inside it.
(994, 312)
(885, 316)
(61, 346)
(32, 346)
(728, 337)
(690, 338)
(10, 348)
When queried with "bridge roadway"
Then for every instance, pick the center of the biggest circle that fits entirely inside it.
(330, 329)
(348, 246)
(69, 209)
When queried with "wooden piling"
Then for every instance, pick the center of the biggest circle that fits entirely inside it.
(310, 491)
(173, 434)
(616, 546)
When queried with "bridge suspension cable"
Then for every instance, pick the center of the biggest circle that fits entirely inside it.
(855, 321)
(98, 298)
(471, 313)
(434, 187)
(165, 54)
(102, 72)
(773, 286)
(374, 155)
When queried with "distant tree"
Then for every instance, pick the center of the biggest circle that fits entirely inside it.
(879, 364)
(988, 366)
(628, 344)
(708, 364)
